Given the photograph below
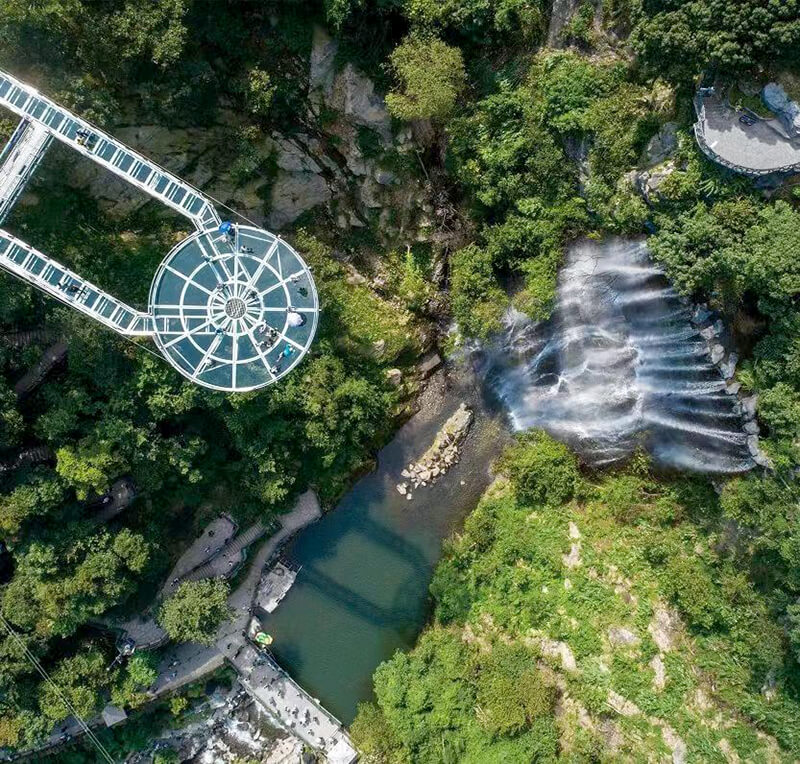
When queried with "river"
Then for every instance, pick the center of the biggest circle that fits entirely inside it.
(362, 591)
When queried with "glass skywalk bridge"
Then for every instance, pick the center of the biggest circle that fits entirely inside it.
(231, 307)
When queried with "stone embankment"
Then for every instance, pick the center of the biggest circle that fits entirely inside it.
(441, 456)
(713, 331)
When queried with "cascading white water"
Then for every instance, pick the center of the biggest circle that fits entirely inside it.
(619, 365)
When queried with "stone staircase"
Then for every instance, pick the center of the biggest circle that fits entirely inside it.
(24, 337)
(228, 558)
(51, 357)
(28, 458)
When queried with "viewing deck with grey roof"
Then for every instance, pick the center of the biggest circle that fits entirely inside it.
(760, 148)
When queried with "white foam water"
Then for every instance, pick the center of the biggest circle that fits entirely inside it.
(619, 365)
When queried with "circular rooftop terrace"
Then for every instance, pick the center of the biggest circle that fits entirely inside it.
(234, 309)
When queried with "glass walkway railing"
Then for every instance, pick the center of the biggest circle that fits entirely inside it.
(232, 307)
(92, 142)
(19, 160)
(67, 286)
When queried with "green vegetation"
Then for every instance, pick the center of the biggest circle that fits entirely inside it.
(740, 99)
(195, 610)
(431, 76)
(152, 722)
(509, 152)
(687, 36)
(585, 617)
(739, 254)
(520, 149)
(115, 411)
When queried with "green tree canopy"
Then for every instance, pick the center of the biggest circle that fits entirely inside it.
(80, 679)
(138, 674)
(11, 424)
(686, 36)
(430, 76)
(542, 470)
(56, 588)
(195, 610)
(477, 300)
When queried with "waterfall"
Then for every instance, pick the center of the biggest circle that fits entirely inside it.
(619, 365)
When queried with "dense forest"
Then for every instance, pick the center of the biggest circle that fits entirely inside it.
(117, 411)
(519, 145)
(530, 660)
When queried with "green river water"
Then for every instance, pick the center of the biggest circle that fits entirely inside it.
(362, 591)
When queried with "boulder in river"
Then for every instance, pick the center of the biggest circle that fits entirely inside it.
(444, 452)
(429, 364)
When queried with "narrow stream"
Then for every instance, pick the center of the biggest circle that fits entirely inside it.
(362, 592)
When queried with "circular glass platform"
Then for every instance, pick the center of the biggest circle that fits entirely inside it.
(234, 310)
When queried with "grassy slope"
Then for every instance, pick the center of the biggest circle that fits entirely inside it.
(693, 669)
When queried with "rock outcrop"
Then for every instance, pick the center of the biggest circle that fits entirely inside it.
(661, 146)
(344, 161)
(712, 330)
(441, 456)
(649, 182)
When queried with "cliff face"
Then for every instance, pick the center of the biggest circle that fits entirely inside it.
(346, 161)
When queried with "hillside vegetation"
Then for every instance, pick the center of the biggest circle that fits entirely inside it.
(586, 618)
(628, 616)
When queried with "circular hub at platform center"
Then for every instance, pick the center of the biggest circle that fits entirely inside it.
(235, 307)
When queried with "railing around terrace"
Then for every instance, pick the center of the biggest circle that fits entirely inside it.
(715, 157)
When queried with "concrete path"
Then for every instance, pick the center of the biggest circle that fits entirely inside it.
(119, 497)
(229, 557)
(292, 707)
(144, 630)
(184, 664)
(263, 678)
(213, 539)
(232, 635)
(51, 357)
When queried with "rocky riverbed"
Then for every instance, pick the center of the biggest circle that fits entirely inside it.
(229, 727)
(441, 456)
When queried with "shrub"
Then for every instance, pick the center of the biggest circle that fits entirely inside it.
(195, 611)
(430, 76)
(693, 591)
(478, 302)
(542, 470)
(511, 693)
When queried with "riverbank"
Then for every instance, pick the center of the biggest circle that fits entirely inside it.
(189, 662)
(365, 567)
